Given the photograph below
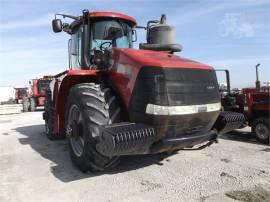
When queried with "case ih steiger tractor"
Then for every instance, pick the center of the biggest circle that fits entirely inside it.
(254, 103)
(115, 100)
(36, 97)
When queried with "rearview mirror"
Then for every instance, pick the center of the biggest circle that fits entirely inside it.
(134, 35)
(57, 25)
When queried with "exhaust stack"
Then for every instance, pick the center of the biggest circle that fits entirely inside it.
(257, 83)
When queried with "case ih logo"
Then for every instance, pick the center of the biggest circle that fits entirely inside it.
(210, 87)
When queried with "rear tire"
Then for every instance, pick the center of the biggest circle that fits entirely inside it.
(90, 106)
(26, 104)
(260, 128)
(32, 104)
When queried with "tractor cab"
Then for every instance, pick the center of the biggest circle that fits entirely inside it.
(93, 35)
(43, 85)
(20, 94)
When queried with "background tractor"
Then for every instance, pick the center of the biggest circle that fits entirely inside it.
(36, 96)
(115, 100)
(254, 103)
(20, 94)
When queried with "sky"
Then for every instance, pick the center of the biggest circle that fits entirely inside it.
(226, 34)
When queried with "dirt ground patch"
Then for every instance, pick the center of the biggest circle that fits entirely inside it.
(32, 168)
(258, 193)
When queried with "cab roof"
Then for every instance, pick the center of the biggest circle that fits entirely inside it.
(98, 14)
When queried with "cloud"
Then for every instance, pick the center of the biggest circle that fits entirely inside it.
(22, 65)
(235, 25)
(236, 62)
(24, 55)
(45, 40)
(38, 22)
(195, 12)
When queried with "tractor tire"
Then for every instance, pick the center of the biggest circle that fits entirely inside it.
(25, 104)
(49, 114)
(33, 104)
(260, 128)
(89, 106)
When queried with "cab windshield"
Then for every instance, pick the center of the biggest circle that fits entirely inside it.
(111, 33)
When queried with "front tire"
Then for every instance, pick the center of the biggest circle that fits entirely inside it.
(89, 106)
(26, 104)
(260, 128)
(32, 104)
(49, 114)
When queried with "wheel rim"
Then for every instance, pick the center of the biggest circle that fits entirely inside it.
(262, 131)
(75, 130)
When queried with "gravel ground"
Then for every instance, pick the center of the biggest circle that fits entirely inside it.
(32, 168)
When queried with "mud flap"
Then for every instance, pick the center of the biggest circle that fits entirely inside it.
(228, 121)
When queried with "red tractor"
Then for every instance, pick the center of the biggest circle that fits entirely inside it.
(20, 94)
(115, 100)
(254, 103)
(257, 110)
(36, 97)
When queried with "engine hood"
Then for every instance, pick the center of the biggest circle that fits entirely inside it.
(155, 58)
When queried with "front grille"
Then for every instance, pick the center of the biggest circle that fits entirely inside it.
(174, 87)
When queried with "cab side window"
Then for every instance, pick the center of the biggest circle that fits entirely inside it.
(75, 50)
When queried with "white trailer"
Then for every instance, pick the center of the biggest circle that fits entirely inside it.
(7, 101)
(7, 95)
